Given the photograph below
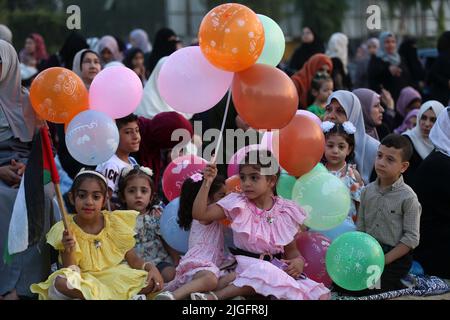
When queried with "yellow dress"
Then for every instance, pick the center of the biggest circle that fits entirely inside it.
(104, 275)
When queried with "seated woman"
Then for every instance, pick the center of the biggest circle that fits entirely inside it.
(17, 127)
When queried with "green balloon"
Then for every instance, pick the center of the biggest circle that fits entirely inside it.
(324, 197)
(355, 261)
(285, 185)
(275, 44)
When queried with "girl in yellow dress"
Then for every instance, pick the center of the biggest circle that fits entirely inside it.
(97, 252)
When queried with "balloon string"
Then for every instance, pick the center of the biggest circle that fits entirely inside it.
(219, 143)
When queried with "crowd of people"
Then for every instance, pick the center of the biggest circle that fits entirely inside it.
(387, 133)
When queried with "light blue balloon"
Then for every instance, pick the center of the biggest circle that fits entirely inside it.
(347, 226)
(172, 233)
(275, 43)
(92, 137)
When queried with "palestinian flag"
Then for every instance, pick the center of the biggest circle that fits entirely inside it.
(29, 217)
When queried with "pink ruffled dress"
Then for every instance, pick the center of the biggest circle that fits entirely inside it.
(206, 253)
(268, 232)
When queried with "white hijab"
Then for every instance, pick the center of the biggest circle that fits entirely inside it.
(152, 103)
(14, 100)
(440, 134)
(338, 48)
(366, 147)
(424, 146)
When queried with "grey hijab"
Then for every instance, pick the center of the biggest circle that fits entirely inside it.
(14, 100)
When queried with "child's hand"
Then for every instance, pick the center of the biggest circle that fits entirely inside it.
(210, 173)
(68, 241)
(155, 281)
(295, 267)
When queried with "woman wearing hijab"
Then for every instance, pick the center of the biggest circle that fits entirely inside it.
(311, 45)
(408, 100)
(64, 58)
(387, 70)
(439, 76)
(408, 54)
(34, 52)
(338, 52)
(166, 43)
(420, 137)
(134, 60)
(139, 39)
(303, 78)
(409, 123)
(368, 49)
(86, 64)
(431, 186)
(372, 111)
(18, 125)
(5, 33)
(345, 106)
(108, 49)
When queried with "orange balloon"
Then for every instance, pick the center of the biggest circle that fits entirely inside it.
(265, 97)
(233, 184)
(226, 222)
(58, 95)
(231, 37)
(299, 146)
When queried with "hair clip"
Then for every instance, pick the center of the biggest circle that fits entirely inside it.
(349, 127)
(327, 126)
(126, 171)
(197, 177)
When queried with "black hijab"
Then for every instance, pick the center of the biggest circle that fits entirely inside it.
(162, 47)
(306, 51)
(408, 53)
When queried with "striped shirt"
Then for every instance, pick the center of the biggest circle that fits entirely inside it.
(391, 215)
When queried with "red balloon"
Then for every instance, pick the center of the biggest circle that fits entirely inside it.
(313, 247)
(265, 97)
(178, 171)
(299, 146)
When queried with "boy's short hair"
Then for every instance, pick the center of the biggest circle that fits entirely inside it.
(399, 142)
(122, 122)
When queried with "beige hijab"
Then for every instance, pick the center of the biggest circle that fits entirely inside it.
(14, 100)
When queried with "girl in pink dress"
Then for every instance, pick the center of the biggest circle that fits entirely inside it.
(264, 227)
(198, 270)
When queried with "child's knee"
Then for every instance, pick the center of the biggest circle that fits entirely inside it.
(168, 274)
(61, 284)
(211, 280)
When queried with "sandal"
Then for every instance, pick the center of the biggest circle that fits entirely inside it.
(165, 295)
(203, 296)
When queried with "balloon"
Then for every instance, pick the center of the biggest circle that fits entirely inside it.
(275, 43)
(116, 91)
(231, 37)
(172, 233)
(178, 171)
(285, 185)
(299, 146)
(347, 226)
(238, 157)
(233, 184)
(265, 97)
(310, 115)
(58, 94)
(313, 247)
(324, 197)
(355, 261)
(190, 84)
(92, 137)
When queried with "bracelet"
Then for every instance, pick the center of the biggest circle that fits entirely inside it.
(146, 263)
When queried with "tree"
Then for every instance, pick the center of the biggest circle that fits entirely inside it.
(324, 16)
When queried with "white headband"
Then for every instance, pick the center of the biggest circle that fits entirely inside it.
(349, 128)
(95, 173)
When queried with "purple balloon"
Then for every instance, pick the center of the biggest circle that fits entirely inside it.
(116, 91)
(190, 84)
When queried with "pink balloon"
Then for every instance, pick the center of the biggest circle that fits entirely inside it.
(238, 157)
(178, 171)
(311, 116)
(190, 84)
(313, 247)
(116, 91)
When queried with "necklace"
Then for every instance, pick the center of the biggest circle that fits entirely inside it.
(268, 213)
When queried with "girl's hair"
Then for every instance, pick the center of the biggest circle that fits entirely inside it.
(340, 130)
(137, 172)
(189, 192)
(262, 160)
(316, 84)
(84, 175)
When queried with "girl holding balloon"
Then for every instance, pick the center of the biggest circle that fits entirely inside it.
(339, 151)
(264, 227)
(137, 192)
(199, 270)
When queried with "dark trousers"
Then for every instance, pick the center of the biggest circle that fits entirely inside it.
(390, 279)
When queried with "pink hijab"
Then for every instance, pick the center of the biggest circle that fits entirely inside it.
(407, 95)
